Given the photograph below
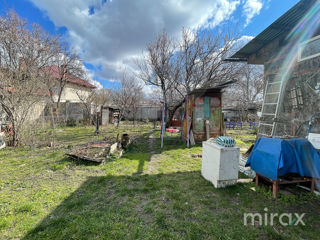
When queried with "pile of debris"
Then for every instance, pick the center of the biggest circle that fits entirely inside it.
(99, 151)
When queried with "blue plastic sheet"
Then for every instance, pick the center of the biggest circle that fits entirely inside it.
(273, 158)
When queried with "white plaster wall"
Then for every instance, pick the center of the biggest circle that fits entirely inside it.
(71, 91)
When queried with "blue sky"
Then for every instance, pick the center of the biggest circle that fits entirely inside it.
(109, 34)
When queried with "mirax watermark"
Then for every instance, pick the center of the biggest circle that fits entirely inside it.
(268, 219)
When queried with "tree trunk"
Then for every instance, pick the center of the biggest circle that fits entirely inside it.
(14, 134)
(97, 124)
(53, 125)
(134, 118)
(172, 113)
(163, 119)
(119, 119)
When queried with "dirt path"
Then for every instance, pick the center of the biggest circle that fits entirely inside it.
(155, 158)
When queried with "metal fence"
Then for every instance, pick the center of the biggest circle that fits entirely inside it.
(241, 125)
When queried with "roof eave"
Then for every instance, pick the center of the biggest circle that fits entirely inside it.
(277, 29)
(236, 59)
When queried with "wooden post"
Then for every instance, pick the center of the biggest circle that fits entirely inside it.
(313, 181)
(207, 129)
(97, 124)
(275, 187)
(163, 119)
(257, 179)
(182, 119)
(187, 115)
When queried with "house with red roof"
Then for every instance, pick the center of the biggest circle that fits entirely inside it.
(74, 88)
(75, 91)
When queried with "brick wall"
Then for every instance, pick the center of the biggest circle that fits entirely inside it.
(300, 98)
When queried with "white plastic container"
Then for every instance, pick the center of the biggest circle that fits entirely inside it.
(220, 165)
(314, 139)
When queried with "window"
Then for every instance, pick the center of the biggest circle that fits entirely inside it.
(296, 98)
(310, 49)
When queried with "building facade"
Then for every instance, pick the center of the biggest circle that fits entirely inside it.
(73, 95)
(289, 49)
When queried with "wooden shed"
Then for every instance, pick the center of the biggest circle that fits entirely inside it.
(205, 114)
(109, 115)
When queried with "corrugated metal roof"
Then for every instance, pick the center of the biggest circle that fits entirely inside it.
(215, 89)
(281, 26)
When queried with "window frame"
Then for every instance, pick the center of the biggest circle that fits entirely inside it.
(300, 59)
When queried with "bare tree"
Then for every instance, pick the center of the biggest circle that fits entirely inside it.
(180, 66)
(137, 100)
(158, 68)
(128, 97)
(102, 97)
(201, 58)
(94, 100)
(64, 67)
(247, 91)
(87, 101)
(24, 51)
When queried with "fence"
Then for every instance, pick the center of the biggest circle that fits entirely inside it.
(241, 125)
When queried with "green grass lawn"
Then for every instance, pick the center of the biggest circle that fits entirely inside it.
(244, 138)
(148, 193)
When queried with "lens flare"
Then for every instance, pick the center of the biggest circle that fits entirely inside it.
(302, 32)
(286, 60)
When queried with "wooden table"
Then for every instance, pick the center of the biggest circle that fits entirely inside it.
(280, 181)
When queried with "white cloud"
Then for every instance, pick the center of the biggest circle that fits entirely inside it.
(251, 8)
(148, 90)
(89, 75)
(243, 40)
(96, 83)
(239, 43)
(119, 30)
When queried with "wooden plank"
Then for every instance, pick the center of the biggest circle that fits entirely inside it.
(76, 157)
(190, 112)
(276, 183)
(282, 182)
(192, 141)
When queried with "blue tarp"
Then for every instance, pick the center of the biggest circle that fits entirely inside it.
(274, 157)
